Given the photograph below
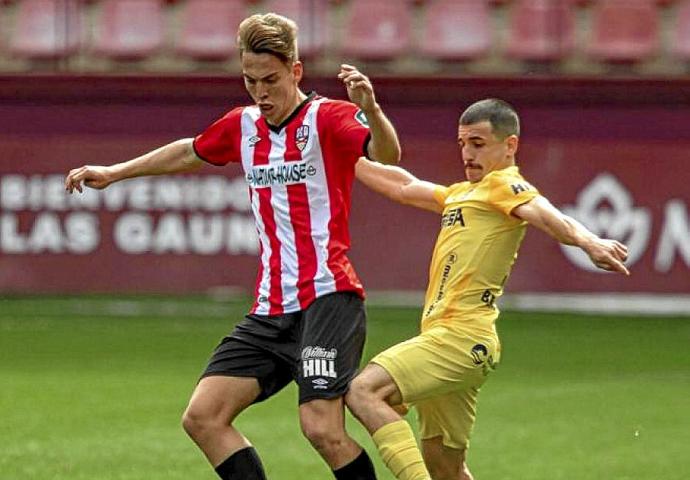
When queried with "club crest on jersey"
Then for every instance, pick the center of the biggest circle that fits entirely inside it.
(302, 137)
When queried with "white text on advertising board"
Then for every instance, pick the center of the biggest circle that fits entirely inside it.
(203, 215)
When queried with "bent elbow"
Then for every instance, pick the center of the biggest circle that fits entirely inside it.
(395, 158)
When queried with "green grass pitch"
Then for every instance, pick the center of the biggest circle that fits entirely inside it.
(93, 388)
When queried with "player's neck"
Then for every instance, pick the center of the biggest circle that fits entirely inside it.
(297, 102)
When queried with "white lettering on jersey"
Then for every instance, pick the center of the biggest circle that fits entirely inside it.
(289, 173)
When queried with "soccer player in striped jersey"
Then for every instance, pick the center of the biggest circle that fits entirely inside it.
(483, 221)
(298, 152)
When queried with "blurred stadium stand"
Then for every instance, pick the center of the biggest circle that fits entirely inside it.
(625, 31)
(208, 29)
(455, 30)
(541, 31)
(377, 31)
(46, 29)
(399, 37)
(129, 29)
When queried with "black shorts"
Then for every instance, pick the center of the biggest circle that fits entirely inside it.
(319, 348)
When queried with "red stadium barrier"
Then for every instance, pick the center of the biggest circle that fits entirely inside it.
(611, 153)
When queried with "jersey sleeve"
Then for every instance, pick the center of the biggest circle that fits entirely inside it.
(220, 143)
(347, 128)
(440, 194)
(508, 191)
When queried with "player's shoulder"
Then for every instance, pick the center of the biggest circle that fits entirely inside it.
(335, 105)
(236, 112)
(342, 111)
(508, 173)
(507, 188)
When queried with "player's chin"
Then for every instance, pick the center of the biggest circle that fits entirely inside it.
(474, 175)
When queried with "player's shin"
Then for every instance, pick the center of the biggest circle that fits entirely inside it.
(398, 449)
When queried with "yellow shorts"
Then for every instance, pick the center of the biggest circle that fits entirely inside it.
(440, 372)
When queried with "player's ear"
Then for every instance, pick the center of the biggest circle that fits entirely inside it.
(512, 143)
(297, 70)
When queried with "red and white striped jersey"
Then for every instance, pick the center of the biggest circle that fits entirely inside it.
(300, 178)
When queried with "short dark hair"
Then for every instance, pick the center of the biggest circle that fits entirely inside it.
(502, 116)
(269, 33)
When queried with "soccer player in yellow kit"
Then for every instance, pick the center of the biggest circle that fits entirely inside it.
(441, 370)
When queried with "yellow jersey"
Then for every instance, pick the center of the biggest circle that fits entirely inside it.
(475, 249)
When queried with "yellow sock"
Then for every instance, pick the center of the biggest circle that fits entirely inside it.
(399, 451)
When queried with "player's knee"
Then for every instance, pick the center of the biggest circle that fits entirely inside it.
(447, 468)
(197, 421)
(360, 395)
(192, 422)
(322, 435)
(442, 472)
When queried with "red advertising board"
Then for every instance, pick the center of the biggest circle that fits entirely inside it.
(610, 157)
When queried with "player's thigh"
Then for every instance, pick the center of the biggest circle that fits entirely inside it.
(332, 337)
(222, 397)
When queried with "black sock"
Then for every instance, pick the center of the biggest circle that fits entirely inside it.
(360, 468)
(242, 465)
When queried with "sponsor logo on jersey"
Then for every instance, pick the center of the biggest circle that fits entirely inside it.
(452, 217)
(450, 261)
(520, 187)
(254, 140)
(302, 137)
(319, 362)
(288, 173)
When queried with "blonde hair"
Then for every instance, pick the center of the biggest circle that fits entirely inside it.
(269, 33)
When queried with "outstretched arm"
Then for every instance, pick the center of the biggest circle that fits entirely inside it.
(397, 184)
(384, 145)
(175, 157)
(604, 253)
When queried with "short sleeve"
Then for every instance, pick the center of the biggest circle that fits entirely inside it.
(346, 126)
(508, 191)
(220, 143)
(440, 194)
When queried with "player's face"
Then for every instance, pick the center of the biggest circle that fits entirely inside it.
(482, 152)
(272, 84)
